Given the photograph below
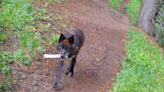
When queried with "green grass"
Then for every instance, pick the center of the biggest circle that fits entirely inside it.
(143, 70)
(26, 22)
(115, 3)
(6, 58)
(19, 55)
(15, 14)
(132, 9)
(17, 18)
(2, 38)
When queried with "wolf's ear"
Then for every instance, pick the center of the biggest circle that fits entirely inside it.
(71, 40)
(62, 37)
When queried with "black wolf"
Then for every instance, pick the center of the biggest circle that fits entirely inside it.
(69, 46)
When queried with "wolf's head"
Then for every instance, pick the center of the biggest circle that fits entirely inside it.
(65, 45)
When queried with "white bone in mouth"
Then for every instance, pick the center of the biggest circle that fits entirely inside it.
(51, 56)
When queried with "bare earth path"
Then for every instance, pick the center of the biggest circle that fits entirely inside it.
(104, 33)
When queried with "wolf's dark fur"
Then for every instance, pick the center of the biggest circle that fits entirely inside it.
(69, 45)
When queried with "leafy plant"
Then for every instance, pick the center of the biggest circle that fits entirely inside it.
(43, 50)
(60, 0)
(7, 56)
(43, 27)
(43, 11)
(47, 2)
(2, 64)
(55, 37)
(30, 40)
(115, 3)
(52, 39)
(5, 59)
(5, 83)
(2, 37)
(18, 55)
(5, 69)
(143, 69)
(0, 86)
(97, 59)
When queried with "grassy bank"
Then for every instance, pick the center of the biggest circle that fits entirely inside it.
(132, 9)
(14, 16)
(143, 70)
(18, 22)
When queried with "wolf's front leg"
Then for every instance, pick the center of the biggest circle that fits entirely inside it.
(71, 67)
(59, 73)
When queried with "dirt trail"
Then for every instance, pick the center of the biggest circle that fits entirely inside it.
(104, 32)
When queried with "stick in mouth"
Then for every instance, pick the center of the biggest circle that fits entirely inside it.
(51, 56)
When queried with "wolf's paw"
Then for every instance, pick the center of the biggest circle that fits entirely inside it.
(69, 74)
(56, 84)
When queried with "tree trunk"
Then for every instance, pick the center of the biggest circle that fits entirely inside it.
(146, 15)
(137, 22)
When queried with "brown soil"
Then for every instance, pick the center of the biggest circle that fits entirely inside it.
(104, 32)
